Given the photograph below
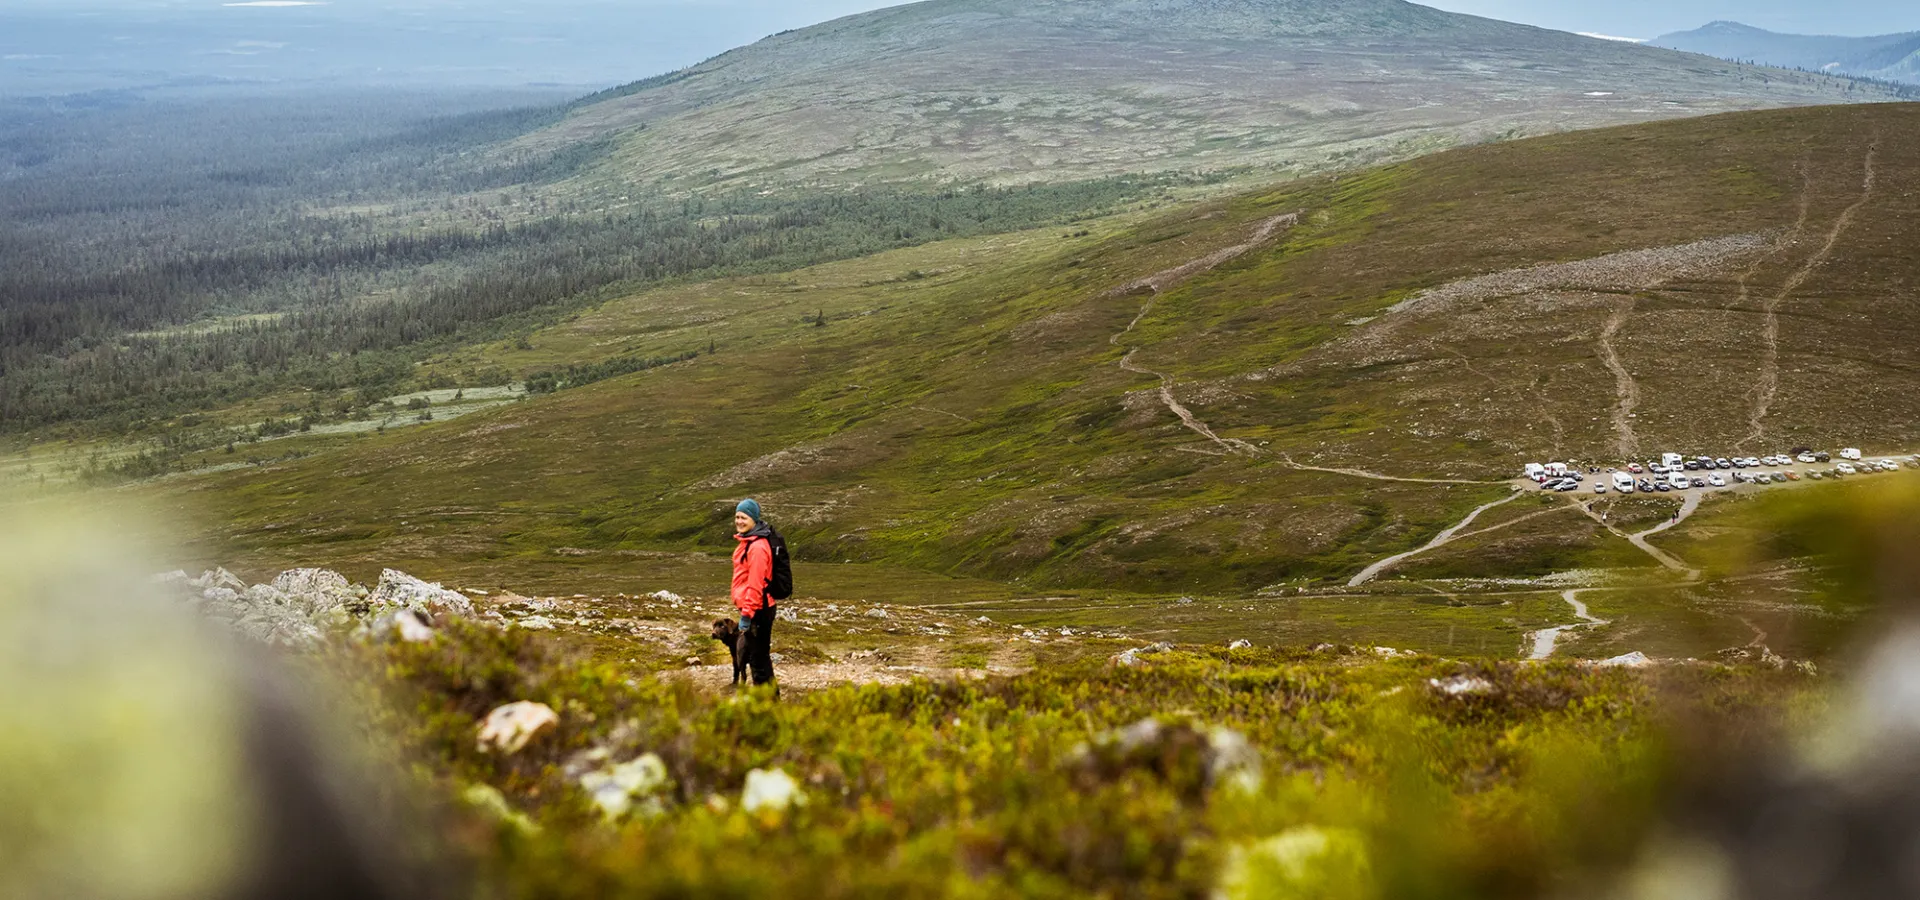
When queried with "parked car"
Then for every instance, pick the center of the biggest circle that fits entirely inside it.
(1699, 482)
(1816, 476)
(1791, 475)
(1646, 487)
(1716, 481)
(1635, 468)
(1807, 458)
(1823, 457)
(1599, 488)
(1662, 487)
(1723, 463)
(1780, 478)
(1846, 469)
(1692, 465)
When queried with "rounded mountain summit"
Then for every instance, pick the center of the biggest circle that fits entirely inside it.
(1017, 91)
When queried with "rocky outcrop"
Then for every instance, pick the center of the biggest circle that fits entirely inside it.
(301, 608)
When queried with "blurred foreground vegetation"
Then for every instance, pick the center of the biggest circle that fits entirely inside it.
(1377, 777)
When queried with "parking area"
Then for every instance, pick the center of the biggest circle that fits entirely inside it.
(1679, 472)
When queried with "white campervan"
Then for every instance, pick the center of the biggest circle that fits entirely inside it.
(1672, 460)
(1850, 453)
(1623, 482)
(1536, 471)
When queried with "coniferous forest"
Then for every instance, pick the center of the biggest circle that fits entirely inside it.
(167, 257)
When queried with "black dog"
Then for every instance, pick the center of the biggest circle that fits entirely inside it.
(729, 632)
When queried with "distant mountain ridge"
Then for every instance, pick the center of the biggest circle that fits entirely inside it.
(1006, 91)
(1890, 57)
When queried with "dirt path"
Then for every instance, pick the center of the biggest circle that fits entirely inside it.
(1159, 283)
(1769, 386)
(1625, 385)
(1440, 540)
(815, 677)
(1545, 640)
(1640, 540)
(1667, 559)
(1376, 476)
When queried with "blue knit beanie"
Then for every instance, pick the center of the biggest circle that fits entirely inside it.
(751, 507)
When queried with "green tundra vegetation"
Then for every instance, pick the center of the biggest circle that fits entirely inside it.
(953, 423)
(1370, 782)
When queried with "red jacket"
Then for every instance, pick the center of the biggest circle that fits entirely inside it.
(752, 570)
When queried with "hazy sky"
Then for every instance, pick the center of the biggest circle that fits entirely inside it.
(756, 18)
(56, 46)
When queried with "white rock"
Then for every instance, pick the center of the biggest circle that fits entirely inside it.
(876, 613)
(509, 728)
(316, 590)
(1634, 660)
(1133, 658)
(1240, 645)
(667, 597)
(173, 578)
(617, 790)
(536, 623)
(219, 578)
(407, 624)
(1232, 761)
(1461, 685)
(786, 614)
(771, 790)
(398, 589)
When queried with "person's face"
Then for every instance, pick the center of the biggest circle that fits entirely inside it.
(742, 523)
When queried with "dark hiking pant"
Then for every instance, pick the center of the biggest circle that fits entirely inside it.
(760, 645)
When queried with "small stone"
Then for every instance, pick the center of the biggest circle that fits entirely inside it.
(693, 660)
(536, 623)
(411, 629)
(876, 613)
(1634, 660)
(1134, 657)
(398, 589)
(631, 785)
(1461, 685)
(770, 790)
(509, 728)
(666, 597)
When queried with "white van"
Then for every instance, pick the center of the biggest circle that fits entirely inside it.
(1679, 482)
(1850, 453)
(1672, 460)
(1623, 482)
(1535, 471)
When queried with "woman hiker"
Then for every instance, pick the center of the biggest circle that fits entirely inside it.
(753, 566)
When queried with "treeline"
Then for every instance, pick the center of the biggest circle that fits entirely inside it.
(508, 278)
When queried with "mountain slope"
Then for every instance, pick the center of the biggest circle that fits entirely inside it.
(1891, 57)
(1277, 389)
(1014, 91)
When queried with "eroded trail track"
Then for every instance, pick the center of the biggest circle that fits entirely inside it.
(1440, 540)
(1626, 386)
(1158, 283)
(1547, 639)
(1769, 383)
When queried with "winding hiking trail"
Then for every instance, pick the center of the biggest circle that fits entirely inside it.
(1769, 385)
(1546, 639)
(1639, 540)
(1158, 283)
(1625, 385)
(1440, 540)
(1667, 559)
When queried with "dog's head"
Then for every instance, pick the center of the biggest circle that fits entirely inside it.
(725, 630)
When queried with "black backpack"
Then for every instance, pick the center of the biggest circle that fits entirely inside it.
(780, 585)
